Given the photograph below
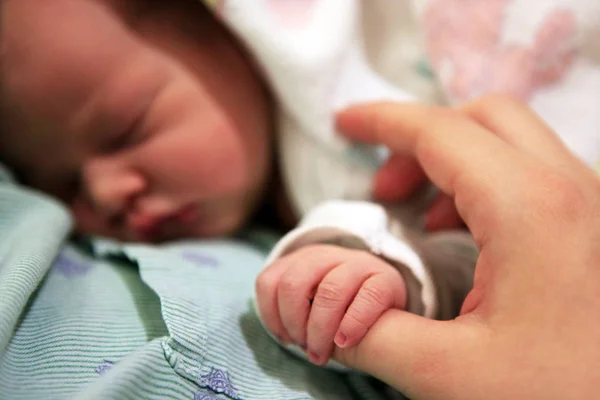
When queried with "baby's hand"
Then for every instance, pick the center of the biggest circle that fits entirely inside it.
(321, 295)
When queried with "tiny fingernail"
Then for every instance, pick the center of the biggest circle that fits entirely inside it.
(314, 357)
(340, 339)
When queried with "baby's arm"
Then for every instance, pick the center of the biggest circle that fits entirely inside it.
(346, 252)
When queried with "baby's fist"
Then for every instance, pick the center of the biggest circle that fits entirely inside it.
(321, 295)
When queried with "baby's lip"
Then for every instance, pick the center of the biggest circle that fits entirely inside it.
(187, 215)
(148, 227)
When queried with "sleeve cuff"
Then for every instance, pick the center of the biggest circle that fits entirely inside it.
(365, 226)
(359, 225)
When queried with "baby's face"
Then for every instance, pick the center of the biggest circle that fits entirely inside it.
(165, 143)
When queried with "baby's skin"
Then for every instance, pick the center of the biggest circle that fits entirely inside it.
(146, 118)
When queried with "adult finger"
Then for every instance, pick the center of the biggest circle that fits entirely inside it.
(462, 158)
(417, 355)
(518, 125)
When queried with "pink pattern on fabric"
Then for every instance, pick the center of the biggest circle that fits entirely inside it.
(463, 41)
(292, 13)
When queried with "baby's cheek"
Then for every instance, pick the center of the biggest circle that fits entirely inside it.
(219, 220)
(219, 161)
(209, 161)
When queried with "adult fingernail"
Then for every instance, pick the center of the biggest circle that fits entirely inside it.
(340, 340)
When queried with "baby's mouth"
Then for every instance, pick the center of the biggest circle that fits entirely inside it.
(153, 228)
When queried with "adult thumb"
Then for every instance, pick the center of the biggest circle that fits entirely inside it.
(422, 358)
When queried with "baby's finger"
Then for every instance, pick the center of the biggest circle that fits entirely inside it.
(332, 298)
(399, 178)
(377, 294)
(297, 286)
(266, 298)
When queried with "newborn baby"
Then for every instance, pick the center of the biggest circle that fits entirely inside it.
(162, 120)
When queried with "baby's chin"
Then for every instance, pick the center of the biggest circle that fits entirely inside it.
(222, 226)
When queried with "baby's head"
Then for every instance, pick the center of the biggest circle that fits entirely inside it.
(152, 133)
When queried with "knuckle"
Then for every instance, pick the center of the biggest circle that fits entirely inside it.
(383, 121)
(380, 120)
(559, 196)
(425, 147)
(265, 282)
(316, 252)
(475, 203)
(374, 296)
(290, 286)
(363, 257)
(328, 295)
(430, 131)
(357, 319)
(440, 117)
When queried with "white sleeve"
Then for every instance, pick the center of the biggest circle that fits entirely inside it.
(358, 225)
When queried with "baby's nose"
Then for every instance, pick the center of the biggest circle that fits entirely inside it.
(111, 190)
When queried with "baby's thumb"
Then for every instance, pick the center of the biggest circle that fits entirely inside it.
(422, 358)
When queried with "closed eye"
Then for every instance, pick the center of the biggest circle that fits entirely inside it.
(127, 138)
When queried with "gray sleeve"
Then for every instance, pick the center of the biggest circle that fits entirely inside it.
(449, 258)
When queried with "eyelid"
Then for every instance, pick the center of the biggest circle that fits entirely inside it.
(129, 137)
(130, 105)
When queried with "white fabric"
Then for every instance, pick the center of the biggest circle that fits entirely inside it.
(315, 66)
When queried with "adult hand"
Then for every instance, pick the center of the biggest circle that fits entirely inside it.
(530, 327)
(402, 176)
